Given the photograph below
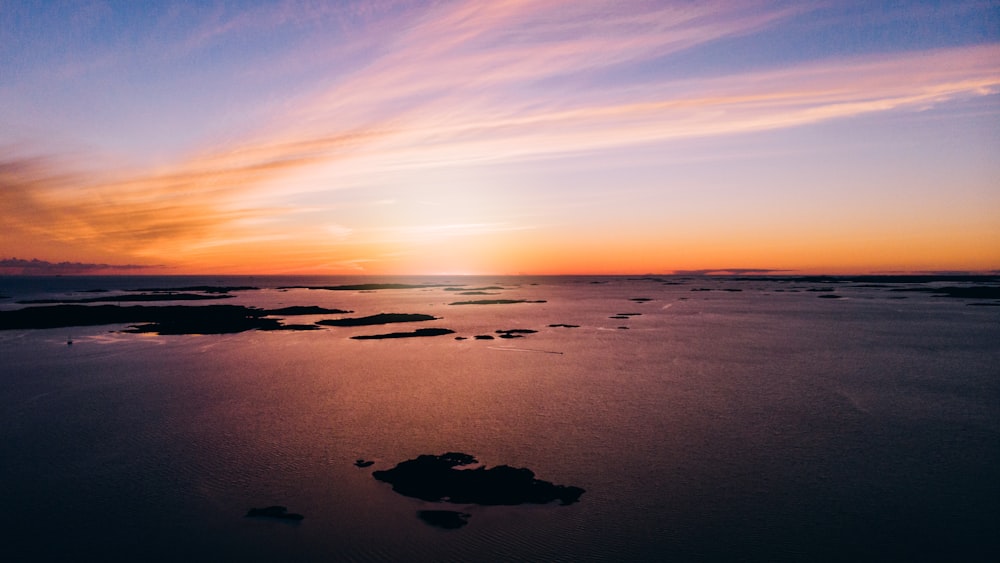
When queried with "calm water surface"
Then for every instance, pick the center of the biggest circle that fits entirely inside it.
(766, 424)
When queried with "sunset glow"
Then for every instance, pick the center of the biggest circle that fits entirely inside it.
(501, 137)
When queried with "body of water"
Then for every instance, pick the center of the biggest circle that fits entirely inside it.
(707, 418)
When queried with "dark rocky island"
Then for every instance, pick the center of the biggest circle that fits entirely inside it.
(175, 319)
(379, 319)
(418, 332)
(367, 286)
(201, 288)
(278, 512)
(361, 462)
(167, 319)
(515, 332)
(130, 298)
(563, 325)
(494, 302)
(306, 310)
(436, 478)
(972, 292)
(447, 519)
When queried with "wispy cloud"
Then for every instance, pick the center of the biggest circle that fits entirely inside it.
(170, 210)
(727, 105)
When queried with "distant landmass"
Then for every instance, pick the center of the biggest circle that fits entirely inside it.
(36, 267)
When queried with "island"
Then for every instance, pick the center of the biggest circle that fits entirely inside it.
(278, 512)
(379, 319)
(515, 332)
(447, 477)
(166, 319)
(129, 298)
(418, 332)
(973, 292)
(447, 519)
(367, 286)
(306, 310)
(202, 288)
(494, 302)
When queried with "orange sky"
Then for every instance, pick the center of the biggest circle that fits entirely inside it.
(513, 137)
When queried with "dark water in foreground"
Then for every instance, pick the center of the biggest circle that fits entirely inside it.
(766, 424)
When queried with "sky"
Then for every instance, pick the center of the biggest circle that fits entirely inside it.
(499, 137)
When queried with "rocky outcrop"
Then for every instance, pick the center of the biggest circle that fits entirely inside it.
(438, 478)
(279, 512)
